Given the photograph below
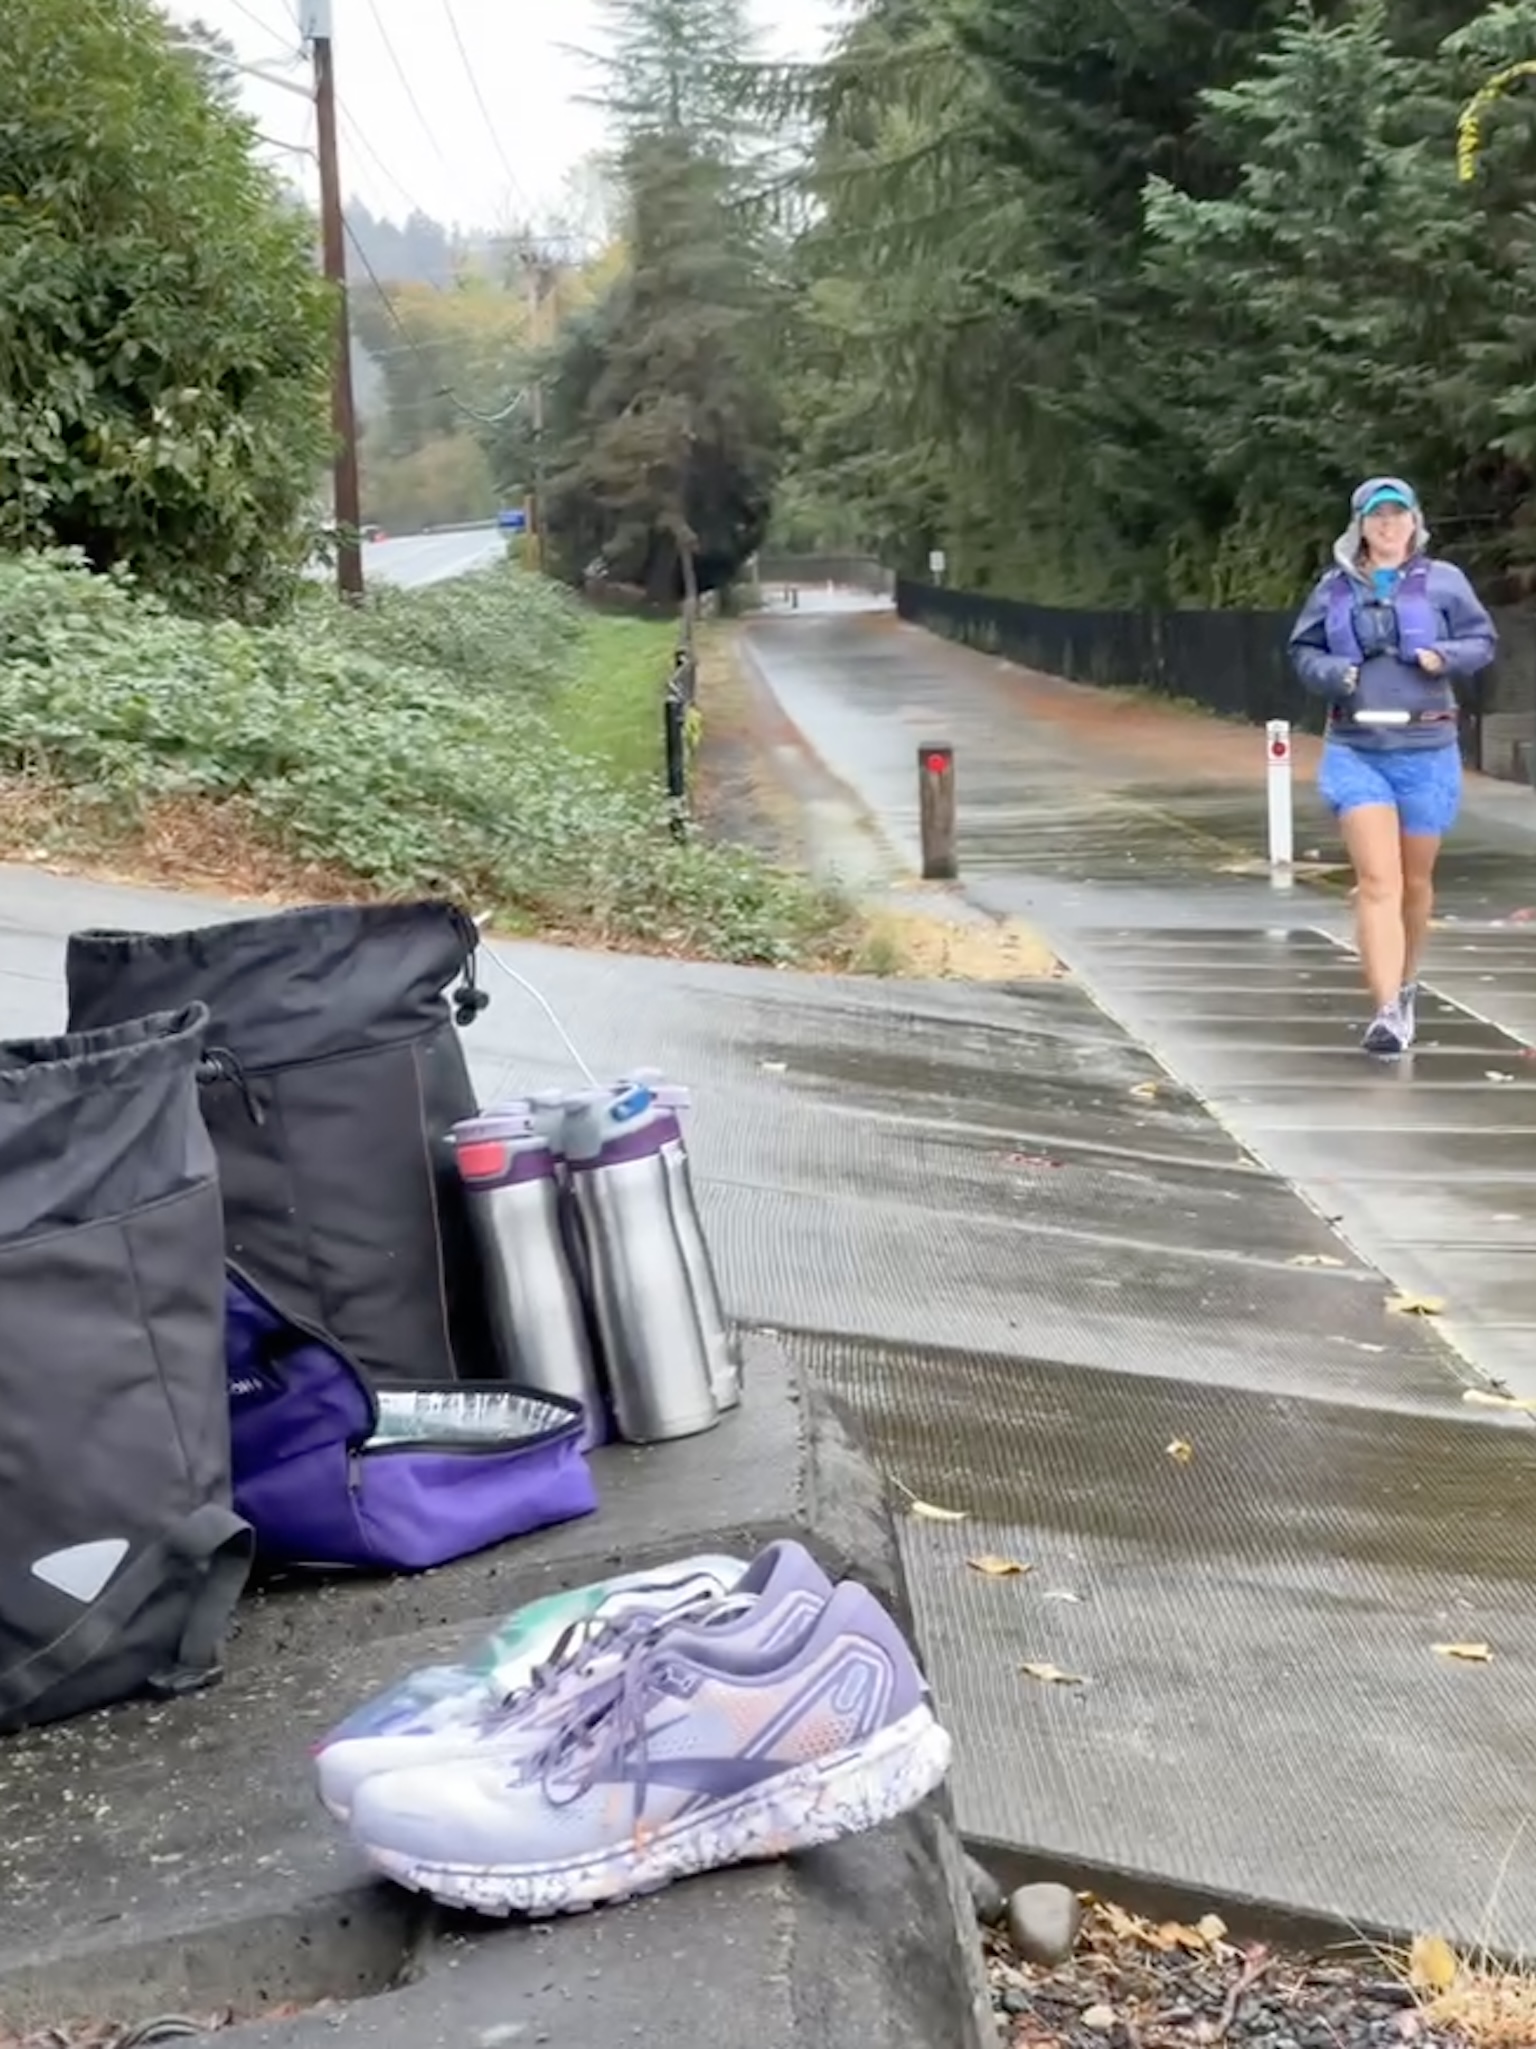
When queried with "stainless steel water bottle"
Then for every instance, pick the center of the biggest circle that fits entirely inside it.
(657, 1365)
(510, 1176)
(719, 1343)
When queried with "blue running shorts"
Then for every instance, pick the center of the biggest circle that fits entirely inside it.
(1422, 783)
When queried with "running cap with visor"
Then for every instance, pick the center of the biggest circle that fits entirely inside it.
(1379, 491)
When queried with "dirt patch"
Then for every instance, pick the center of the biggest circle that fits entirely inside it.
(220, 850)
(739, 793)
(1131, 1984)
(194, 845)
(932, 948)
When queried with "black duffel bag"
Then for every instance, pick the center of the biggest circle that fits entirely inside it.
(342, 1077)
(120, 1558)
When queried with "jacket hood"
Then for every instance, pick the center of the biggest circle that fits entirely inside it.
(1346, 549)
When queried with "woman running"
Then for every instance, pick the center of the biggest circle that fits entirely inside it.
(1383, 638)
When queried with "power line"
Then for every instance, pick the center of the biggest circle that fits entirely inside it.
(485, 112)
(410, 90)
(256, 21)
(393, 312)
(360, 139)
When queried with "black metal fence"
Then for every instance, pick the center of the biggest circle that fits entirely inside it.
(1233, 663)
(677, 706)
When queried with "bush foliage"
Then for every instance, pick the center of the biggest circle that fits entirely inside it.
(414, 743)
(164, 336)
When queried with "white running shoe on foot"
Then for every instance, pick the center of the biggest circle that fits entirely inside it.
(1384, 1033)
(1407, 1011)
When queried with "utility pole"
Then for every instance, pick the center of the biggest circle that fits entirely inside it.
(315, 26)
(534, 259)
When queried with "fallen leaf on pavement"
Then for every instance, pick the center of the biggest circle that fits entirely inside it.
(1051, 1675)
(1522, 917)
(1415, 1305)
(992, 1567)
(1181, 1452)
(1464, 1653)
(1357, 1344)
(772, 1067)
(1146, 1089)
(1314, 1259)
(1484, 1398)
(1431, 1964)
(1062, 1594)
(929, 1513)
(1493, 1074)
(1031, 1160)
(1211, 1928)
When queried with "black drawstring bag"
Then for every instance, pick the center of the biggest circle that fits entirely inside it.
(339, 1078)
(120, 1559)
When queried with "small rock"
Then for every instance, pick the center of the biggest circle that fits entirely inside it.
(1100, 2018)
(1014, 2001)
(988, 1899)
(1043, 1921)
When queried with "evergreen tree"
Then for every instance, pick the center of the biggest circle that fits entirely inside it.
(663, 425)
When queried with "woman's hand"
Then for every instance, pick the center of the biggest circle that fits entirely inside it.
(1430, 662)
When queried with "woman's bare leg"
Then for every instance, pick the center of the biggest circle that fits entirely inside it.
(1417, 854)
(1374, 846)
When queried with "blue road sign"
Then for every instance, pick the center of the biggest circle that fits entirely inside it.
(513, 520)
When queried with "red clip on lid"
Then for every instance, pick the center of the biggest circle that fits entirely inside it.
(484, 1159)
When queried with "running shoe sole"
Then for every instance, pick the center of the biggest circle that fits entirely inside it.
(844, 1794)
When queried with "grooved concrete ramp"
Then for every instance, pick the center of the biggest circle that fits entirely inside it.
(1260, 1706)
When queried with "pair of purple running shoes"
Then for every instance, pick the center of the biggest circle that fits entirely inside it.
(638, 1731)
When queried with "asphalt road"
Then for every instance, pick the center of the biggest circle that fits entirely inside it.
(416, 559)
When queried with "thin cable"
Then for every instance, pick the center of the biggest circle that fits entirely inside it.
(265, 26)
(485, 113)
(523, 983)
(410, 91)
(459, 405)
(362, 142)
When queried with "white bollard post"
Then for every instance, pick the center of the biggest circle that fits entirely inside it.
(1282, 830)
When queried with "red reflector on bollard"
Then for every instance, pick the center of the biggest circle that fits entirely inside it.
(937, 763)
(484, 1159)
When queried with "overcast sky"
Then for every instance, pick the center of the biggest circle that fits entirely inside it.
(412, 132)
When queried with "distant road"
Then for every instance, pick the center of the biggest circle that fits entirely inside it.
(417, 559)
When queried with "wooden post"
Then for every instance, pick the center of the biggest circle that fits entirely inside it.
(936, 810)
(346, 507)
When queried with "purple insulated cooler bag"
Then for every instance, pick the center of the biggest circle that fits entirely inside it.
(330, 1473)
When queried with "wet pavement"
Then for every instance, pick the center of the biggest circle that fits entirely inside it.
(1263, 1707)
(1425, 1163)
(1053, 1293)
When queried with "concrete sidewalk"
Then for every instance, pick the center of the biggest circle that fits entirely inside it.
(1133, 833)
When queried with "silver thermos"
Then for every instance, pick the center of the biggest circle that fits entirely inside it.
(658, 1366)
(721, 1346)
(510, 1175)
